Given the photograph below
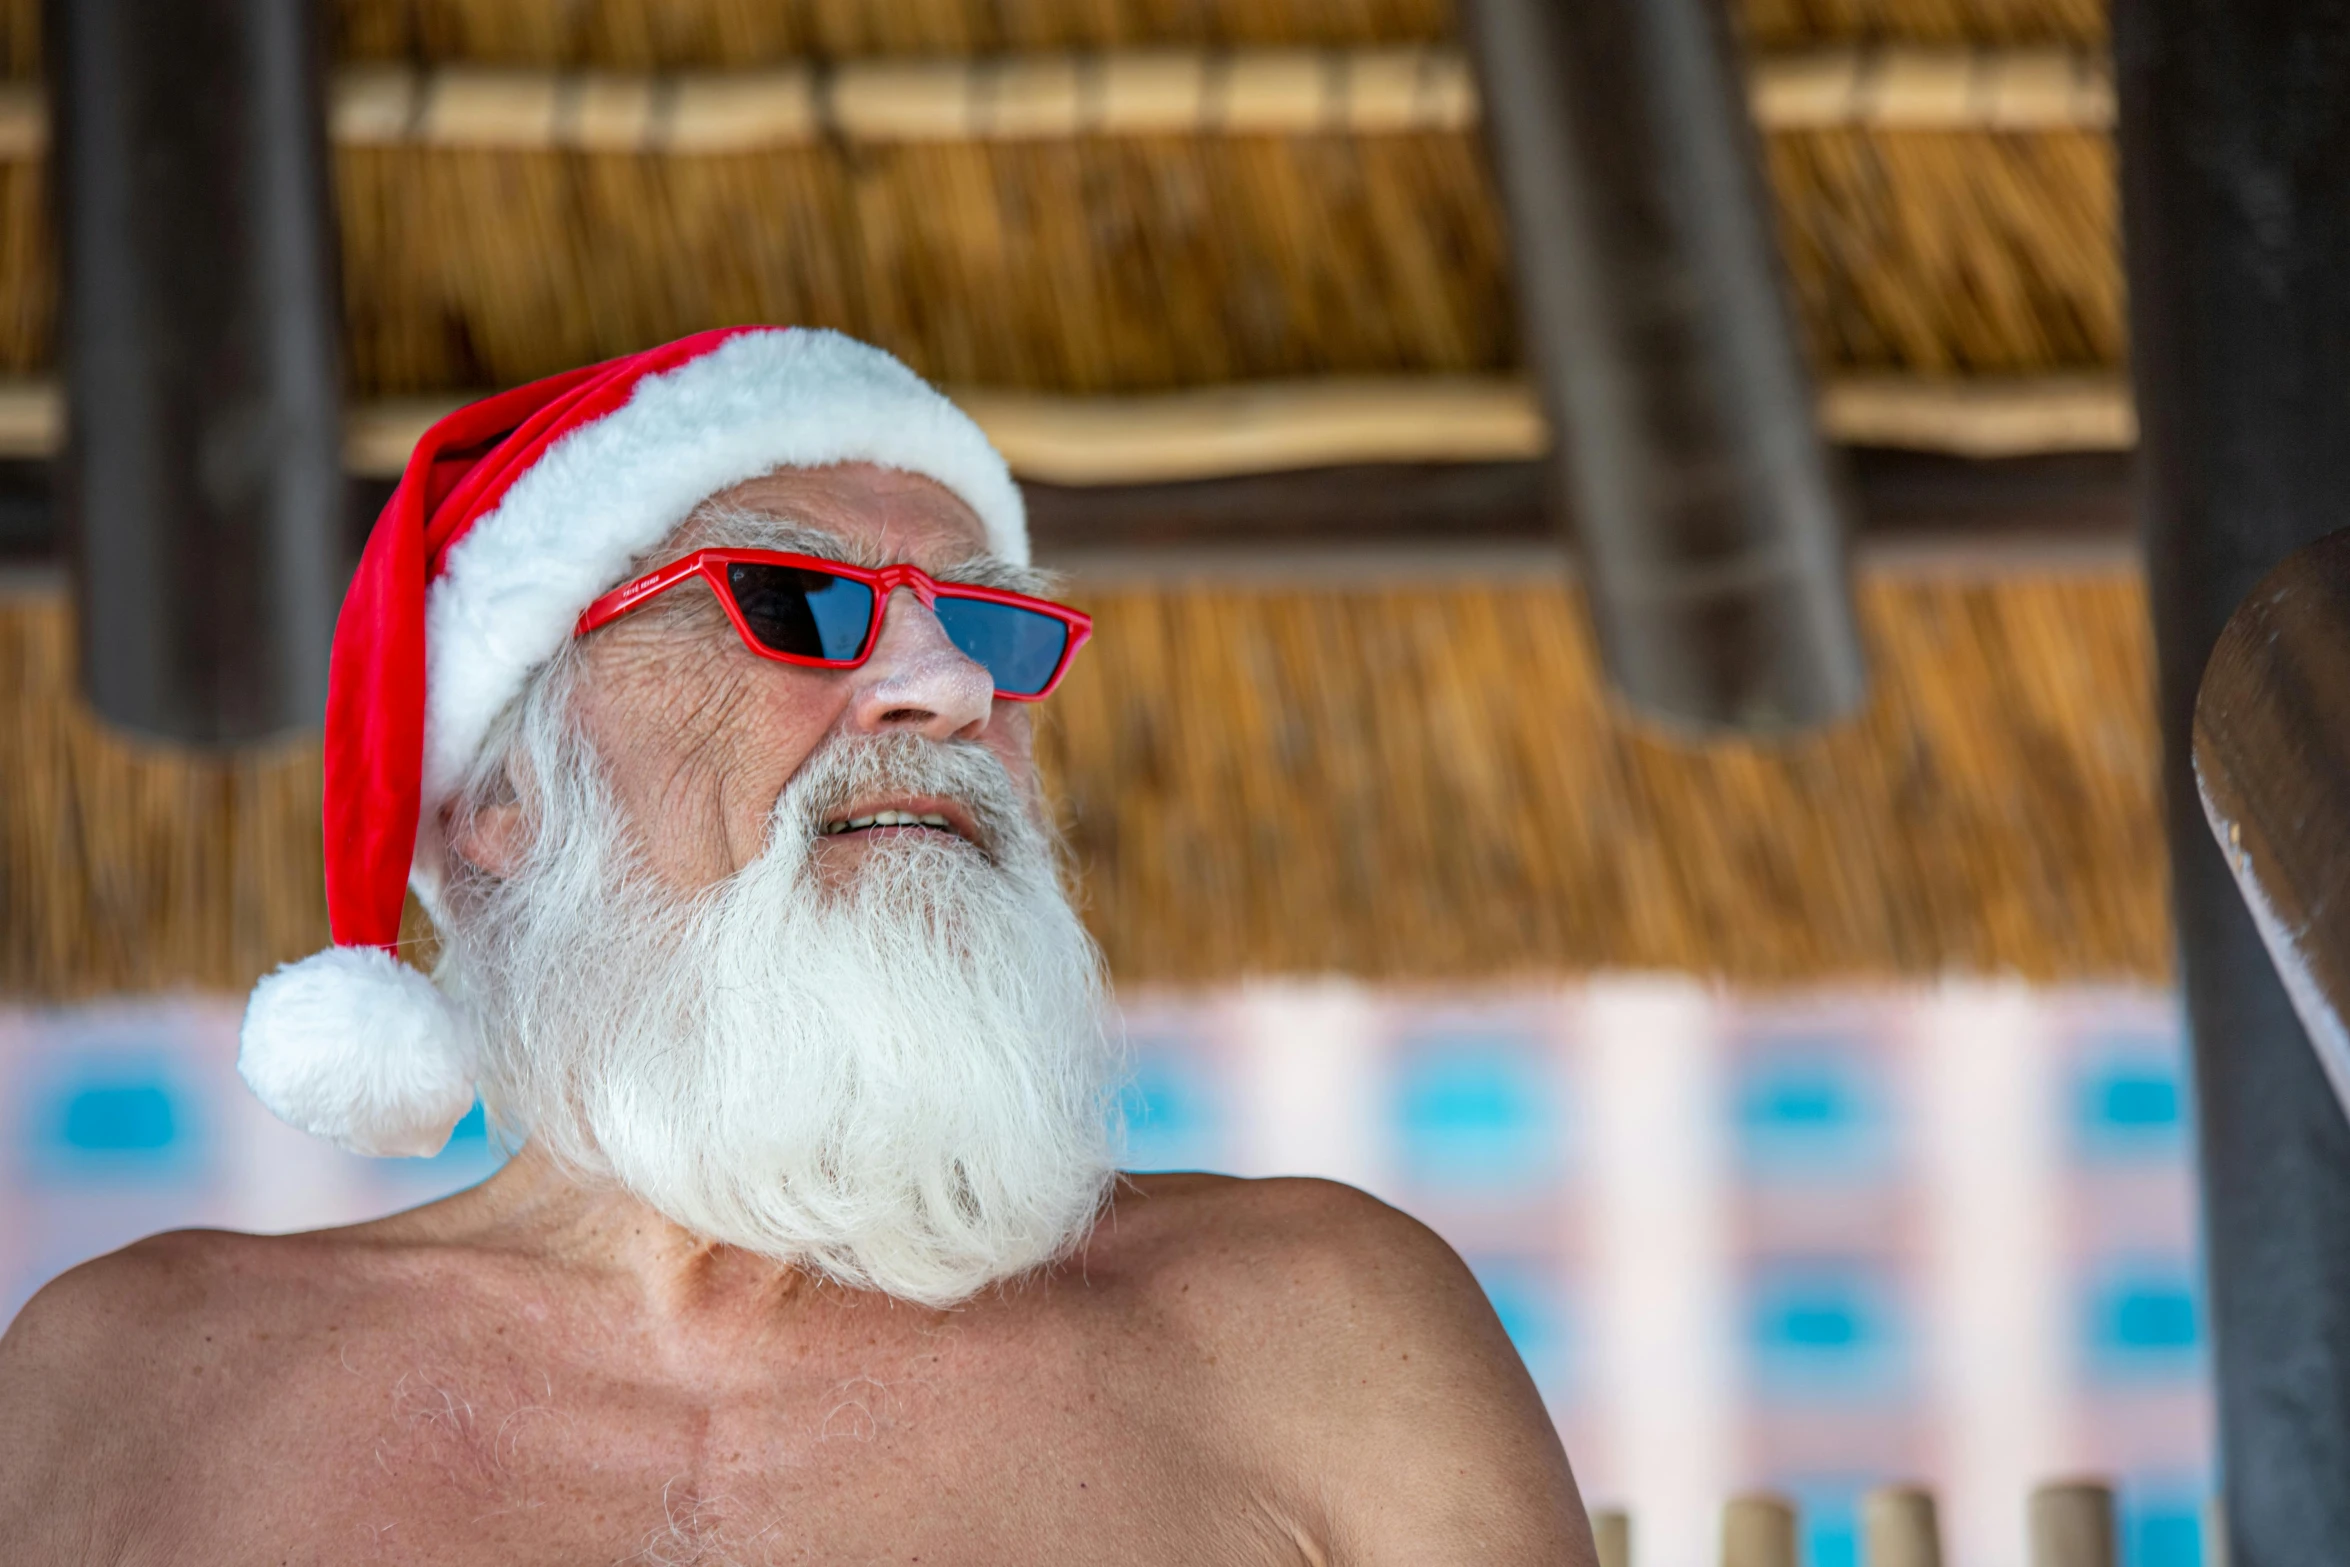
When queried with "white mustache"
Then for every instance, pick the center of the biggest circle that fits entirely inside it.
(842, 771)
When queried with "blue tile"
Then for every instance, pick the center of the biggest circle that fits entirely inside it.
(2129, 1098)
(2162, 1522)
(472, 1128)
(1174, 1118)
(133, 1118)
(1476, 1111)
(1824, 1329)
(111, 1118)
(1812, 1108)
(2163, 1538)
(1828, 1517)
(2143, 1321)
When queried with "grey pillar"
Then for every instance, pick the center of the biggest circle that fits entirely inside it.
(2236, 199)
(202, 483)
(1688, 456)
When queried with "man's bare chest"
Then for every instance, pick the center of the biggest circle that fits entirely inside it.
(903, 1457)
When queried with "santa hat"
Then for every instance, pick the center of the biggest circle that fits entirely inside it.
(514, 514)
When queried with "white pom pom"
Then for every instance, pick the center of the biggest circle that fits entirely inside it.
(352, 1044)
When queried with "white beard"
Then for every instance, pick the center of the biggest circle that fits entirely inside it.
(900, 1080)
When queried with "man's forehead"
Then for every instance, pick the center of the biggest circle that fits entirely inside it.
(857, 514)
(871, 510)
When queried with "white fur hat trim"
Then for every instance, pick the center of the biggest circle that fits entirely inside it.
(353, 1045)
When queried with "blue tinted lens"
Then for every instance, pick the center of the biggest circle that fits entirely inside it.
(1020, 647)
(808, 614)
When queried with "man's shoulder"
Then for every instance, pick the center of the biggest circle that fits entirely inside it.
(172, 1331)
(103, 1362)
(1347, 1348)
(1280, 1267)
(172, 1304)
(162, 1286)
(171, 1285)
(1235, 1228)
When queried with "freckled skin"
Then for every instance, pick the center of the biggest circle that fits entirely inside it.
(536, 1373)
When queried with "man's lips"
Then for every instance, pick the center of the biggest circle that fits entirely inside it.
(904, 813)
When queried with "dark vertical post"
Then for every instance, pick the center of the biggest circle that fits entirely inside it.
(1688, 455)
(2235, 135)
(202, 481)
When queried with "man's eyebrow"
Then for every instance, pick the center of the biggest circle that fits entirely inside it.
(742, 528)
(739, 528)
(983, 570)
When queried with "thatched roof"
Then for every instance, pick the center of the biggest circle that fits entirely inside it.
(1121, 262)
(1417, 780)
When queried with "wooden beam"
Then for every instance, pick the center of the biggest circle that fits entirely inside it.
(1651, 307)
(1920, 514)
(1255, 92)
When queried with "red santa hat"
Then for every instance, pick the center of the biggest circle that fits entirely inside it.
(514, 514)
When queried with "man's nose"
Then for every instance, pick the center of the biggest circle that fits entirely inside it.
(917, 680)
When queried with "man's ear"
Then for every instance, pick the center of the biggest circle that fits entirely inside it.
(491, 837)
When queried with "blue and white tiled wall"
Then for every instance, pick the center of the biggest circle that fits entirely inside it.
(1814, 1243)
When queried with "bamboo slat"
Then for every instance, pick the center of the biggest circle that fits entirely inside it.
(1281, 426)
(1261, 92)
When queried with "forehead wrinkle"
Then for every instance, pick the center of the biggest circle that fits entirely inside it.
(755, 528)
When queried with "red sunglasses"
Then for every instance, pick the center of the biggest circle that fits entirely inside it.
(803, 609)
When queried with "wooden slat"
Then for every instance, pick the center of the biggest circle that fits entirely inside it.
(1278, 426)
(1258, 92)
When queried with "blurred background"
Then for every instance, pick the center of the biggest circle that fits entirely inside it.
(1811, 1100)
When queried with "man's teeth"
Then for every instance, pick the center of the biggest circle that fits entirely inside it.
(885, 819)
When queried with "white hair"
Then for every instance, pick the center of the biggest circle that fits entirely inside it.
(901, 1081)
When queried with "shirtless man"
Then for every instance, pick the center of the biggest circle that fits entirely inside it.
(753, 937)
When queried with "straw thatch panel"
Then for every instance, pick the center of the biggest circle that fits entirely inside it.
(28, 269)
(1785, 24)
(1145, 263)
(124, 867)
(20, 39)
(1139, 263)
(1086, 266)
(1954, 252)
(1405, 783)
(1429, 784)
(665, 34)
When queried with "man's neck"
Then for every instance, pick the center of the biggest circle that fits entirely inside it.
(538, 1207)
